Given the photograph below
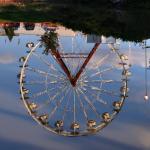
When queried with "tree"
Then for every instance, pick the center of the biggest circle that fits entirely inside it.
(50, 42)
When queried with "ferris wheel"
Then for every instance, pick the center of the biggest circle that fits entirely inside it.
(78, 89)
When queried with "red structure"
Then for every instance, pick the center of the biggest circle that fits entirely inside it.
(74, 79)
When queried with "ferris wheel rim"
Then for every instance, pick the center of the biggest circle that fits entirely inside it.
(67, 133)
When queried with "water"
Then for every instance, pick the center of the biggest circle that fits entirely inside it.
(130, 129)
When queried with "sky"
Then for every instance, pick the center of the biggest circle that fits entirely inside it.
(130, 130)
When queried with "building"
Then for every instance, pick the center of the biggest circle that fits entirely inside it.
(13, 1)
(35, 29)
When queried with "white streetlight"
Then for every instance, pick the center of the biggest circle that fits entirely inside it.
(146, 89)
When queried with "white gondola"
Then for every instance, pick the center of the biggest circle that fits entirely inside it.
(59, 124)
(22, 59)
(74, 126)
(30, 45)
(124, 89)
(123, 57)
(91, 123)
(43, 119)
(117, 105)
(106, 117)
(33, 106)
(126, 73)
(25, 91)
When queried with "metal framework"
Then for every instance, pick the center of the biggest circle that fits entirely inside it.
(74, 104)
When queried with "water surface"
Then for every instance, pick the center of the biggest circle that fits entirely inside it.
(130, 130)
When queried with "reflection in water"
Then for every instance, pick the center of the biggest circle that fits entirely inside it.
(74, 88)
(130, 130)
(15, 29)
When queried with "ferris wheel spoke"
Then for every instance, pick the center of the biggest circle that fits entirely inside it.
(74, 107)
(42, 72)
(56, 82)
(78, 64)
(101, 81)
(73, 61)
(47, 63)
(42, 92)
(102, 71)
(81, 58)
(81, 105)
(83, 76)
(65, 107)
(52, 98)
(89, 102)
(60, 89)
(96, 97)
(59, 103)
(86, 81)
(36, 70)
(99, 63)
(51, 81)
(102, 90)
(112, 93)
(39, 94)
(101, 101)
(34, 82)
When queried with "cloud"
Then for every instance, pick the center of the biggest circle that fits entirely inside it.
(137, 58)
(17, 126)
(130, 134)
(7, 59)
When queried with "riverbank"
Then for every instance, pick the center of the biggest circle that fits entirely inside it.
(128, 24)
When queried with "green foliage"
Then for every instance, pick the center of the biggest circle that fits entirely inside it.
(50, 42)
(9, 32)
(99, 17)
